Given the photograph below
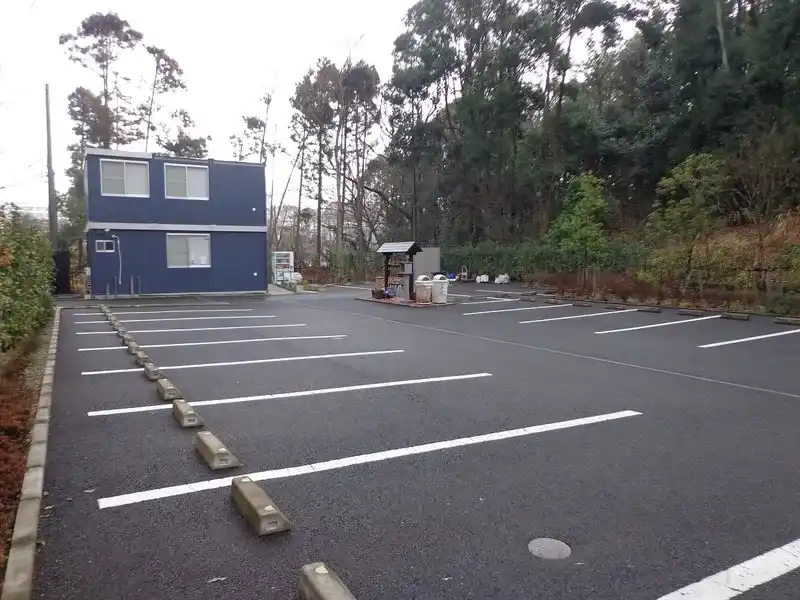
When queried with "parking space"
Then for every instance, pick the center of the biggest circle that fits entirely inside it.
(418, 452)
(705, 346)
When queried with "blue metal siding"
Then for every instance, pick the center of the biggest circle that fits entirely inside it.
(238, 264)
(237, 196)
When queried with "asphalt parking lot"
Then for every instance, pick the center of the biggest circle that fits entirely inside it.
(419, 451)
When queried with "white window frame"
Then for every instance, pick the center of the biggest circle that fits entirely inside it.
(103, 246)
(189, 235)
(187, 197)
(124, 162)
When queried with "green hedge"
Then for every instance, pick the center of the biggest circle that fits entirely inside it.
(26, 276)
(724, 266)
(527, 260)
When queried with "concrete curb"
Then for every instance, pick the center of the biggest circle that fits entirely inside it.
(21, 565)
(389, 303)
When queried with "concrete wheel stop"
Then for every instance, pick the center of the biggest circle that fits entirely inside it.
(257, 507)
(787, 321)
(214, 451)
(133, 347)
(167, 390)
(319, 582)
(735, 316)
(152, 372)
(185, 415)
(141, 358)
(649, 309)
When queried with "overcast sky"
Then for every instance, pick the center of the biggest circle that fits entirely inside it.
(232, 52)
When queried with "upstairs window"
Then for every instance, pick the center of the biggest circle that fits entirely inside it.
(188, 250)
(124, 178)
(186, 182)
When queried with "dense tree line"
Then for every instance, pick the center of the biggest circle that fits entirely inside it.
(684, 113)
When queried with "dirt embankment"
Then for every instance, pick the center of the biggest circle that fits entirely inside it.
(20, 379)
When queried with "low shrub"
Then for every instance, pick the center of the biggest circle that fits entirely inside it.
(26, 277)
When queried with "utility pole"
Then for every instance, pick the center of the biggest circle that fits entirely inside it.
(51, 184)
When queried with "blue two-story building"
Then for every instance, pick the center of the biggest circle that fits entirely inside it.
(164, 225)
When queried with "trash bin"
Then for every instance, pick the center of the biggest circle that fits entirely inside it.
(423, 287)
(439, 289)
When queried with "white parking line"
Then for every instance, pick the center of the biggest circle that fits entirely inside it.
(160, 312)
(494, 291)
(599, 314)
(212, 484)
(750, 339)
(502, 310)
(215, 342)
(352, 287)
(491, 301)
(458, 295)
(742, 577)
(192, 329)
(658, 325)
(247, 362)
(180, 319)
(300, 394)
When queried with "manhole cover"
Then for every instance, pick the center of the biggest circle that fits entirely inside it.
(549, 549)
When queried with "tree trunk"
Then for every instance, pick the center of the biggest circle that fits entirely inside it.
(297, 243)
(278, 233)
(150, 107)
(721, 33)
(340, 214)
(564, 77)
(414, 202)
(319, 197)
(108, 125)
(358, 208)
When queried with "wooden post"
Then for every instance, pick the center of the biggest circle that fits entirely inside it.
(385, 271)
(411, 279)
